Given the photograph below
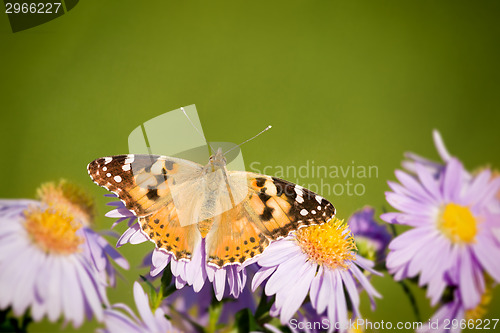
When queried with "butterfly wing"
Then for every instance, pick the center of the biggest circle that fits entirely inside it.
(273, 208)
(163, 228)
(144, 183)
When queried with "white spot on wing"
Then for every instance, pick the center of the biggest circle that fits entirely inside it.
(108, 175)
(303, 212)
(107, 160)
(313, 211)
(118, 179)
(129, 159)
(105, 169)
(126, 167)
(156, 167)
(299, 199)
(319, 199)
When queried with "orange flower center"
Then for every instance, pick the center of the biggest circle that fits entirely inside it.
(53, 231)
(458, 224)
(330, 244)
(68, 198)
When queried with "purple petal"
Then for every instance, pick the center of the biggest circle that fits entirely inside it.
(420, 260)
(72, 294)
(261, 276)
(468, 289)
(118, 213)
(142, 304)
(53, 279)
(24, 287)
(352, 291)
(316, 284)
(366, 265)
(392, 217)
(408, 205)
(220, 283)
(138, 238)
(489, 192)
(414, 187)
(118, 322)
(160, 259)
(326, 293)
(300, 290)
(285, 274)
(340, 301)
(332, 303)
(89, 289)
(441, 148)
(429, 182)
(179, 282)
(438, 264)
(365, 284)
(114, 254)
(488, 253)
(452, 180)
(125, 237)
(278, 252)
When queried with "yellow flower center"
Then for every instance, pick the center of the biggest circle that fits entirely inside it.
(458, 223)
(330, 244)
(356, 328)
(53, 231)
(68, 198)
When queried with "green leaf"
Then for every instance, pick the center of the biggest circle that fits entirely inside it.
(167, 288)
(11, 324)
(264, 306)
(246, 322)
(214, 312)
(154, 297)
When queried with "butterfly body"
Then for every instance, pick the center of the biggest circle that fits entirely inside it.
(179, 202)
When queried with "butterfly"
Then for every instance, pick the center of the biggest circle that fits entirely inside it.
(179, 202)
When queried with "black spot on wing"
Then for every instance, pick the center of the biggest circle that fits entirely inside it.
(263, 197)
(267, 214)
(152, 194)
(169, 165)
(284, 187)
(161, 178)
(260, 181)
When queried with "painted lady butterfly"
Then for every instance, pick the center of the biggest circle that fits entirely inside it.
(237, 219)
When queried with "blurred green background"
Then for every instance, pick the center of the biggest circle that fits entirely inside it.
(360, 81)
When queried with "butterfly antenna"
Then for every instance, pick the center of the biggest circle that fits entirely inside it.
(197, 130)
(265, 129)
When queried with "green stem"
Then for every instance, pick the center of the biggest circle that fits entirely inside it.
(412, 299)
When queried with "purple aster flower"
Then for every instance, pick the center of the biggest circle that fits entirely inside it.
(455, 237)
(371, 237)
(50, 261)
(320, 261)
(432, 166)
(443, 317)
(69, 198)
(452, 316)
(102, 255)
(185, 306)
(193, 272)
(120, 318)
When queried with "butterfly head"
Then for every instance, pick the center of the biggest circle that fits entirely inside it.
(217, 161)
